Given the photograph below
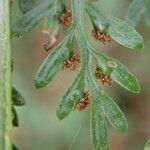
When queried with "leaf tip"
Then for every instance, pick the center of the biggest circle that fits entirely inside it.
(136, 87)
(38, 84)
(140, 45)
(124, 129)
(59, 115)
(39, 81)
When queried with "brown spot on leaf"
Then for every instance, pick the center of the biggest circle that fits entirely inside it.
(102, 77)
(103, 37)
(83, 102)
(66, 17)
(73, 62)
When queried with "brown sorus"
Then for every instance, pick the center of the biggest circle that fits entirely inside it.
(103, 37)
(66, 17)
(73, 62)
(102, 77)
(83, 102)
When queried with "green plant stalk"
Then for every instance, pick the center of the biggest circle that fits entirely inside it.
(81, 36)
(5, 77)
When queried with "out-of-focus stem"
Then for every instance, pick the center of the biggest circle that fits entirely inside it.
(5, 77)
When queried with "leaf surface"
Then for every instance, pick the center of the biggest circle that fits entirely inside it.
(98, 125)
(114, 114)
(71, 97)
(124, 34)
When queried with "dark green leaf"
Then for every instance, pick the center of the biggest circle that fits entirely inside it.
(114, 114)
(124, 34)
(31, 18)
(26, 5)
(147, 13)
(98, 125)
(54, 61)
(147, 145)
(17, 98)
(14, 147)
(117, 71)
(134, 12)
(71, 97)
(15, 120)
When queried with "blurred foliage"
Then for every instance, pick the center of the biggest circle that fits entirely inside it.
(135, 11)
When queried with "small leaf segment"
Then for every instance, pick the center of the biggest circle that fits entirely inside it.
(102, 108)
(135, 11)
(17, 100)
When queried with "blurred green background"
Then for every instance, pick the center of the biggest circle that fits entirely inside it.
(39, 127)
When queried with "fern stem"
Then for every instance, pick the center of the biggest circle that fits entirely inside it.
(80, 31)
(5, 77)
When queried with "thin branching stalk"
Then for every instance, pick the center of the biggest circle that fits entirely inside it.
(5, 77)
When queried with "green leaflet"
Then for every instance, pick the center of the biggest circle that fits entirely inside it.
(17, 98)
(116, 28)
(26, 5)
(124, 34)
(114, 114)
(31, 18)
(71, 97)
(117, 71)
(51, 65)
(134, 12)
(123, 77)
(147, 13)
(98, 125)
(54, 61)
(147, 145)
